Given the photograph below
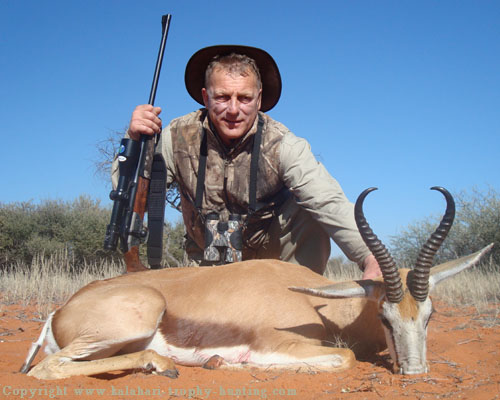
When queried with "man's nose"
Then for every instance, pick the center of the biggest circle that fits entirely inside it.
(233, 106)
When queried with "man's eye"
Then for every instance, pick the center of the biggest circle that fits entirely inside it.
(221, 98)
(245, 99)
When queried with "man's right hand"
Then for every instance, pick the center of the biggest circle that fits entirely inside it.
(144, 121)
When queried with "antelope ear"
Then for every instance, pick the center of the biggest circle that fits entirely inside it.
(451, 268)
(371, 289)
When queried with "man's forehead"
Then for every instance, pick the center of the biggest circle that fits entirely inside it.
(231, 72)
(222, 81)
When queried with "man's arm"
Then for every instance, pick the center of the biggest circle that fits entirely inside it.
(322, 196)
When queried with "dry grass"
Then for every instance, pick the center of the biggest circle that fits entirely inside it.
(49, 281)
(474, 287)
(338, 269)
(478, 288)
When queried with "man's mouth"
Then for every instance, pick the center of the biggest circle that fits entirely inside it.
(232, 124)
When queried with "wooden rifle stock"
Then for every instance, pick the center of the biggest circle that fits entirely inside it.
(130, 199)
(131, 256)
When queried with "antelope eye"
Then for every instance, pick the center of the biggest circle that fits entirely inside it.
(385, 322)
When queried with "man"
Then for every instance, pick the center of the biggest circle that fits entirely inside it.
(292, 208)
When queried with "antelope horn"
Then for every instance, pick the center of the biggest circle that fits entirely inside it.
(392, 279)
(419, 283)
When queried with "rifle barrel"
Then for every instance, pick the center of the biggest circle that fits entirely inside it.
(165, 21)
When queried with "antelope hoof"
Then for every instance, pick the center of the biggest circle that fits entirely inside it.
(214, 362)
(170, 373)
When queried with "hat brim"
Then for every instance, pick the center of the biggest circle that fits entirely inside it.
(270, 75)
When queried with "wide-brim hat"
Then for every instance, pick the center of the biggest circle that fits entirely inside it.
(269, 72)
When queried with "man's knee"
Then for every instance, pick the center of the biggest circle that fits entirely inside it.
(302, 240)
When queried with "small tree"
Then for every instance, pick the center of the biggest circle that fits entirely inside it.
(16, 225)
(106, 151)
(477, 224)
(173, 244)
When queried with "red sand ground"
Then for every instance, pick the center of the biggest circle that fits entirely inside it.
(463, 353)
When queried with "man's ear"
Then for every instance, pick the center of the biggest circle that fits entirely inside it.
(260, 99)
(204, 94)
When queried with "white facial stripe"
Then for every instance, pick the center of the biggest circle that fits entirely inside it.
(407, 340)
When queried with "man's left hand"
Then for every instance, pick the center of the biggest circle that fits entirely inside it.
(371, 268)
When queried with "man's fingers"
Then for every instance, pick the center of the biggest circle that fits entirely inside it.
(371, 268)
(145, 121)
(143, 127)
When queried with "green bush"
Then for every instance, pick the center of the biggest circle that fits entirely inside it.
(78, 227)
(173, 237)
(28, 229)
(477, 224)
(16, 228)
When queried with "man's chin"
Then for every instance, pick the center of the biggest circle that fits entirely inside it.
(231, 134)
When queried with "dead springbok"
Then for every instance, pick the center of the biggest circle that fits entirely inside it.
(259, 313)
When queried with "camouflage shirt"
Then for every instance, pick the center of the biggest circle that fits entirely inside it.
(286, 161)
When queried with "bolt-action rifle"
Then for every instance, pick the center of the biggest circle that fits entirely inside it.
(130, 196)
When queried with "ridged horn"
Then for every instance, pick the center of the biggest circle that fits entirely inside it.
(392, 279)
(419, 284)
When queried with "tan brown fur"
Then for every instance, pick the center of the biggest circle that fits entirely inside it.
(408, 307)
(114, 316)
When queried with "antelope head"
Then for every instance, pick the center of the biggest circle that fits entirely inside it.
(402, 295)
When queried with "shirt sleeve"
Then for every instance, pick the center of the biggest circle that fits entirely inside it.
(321, 195)
(165, 147)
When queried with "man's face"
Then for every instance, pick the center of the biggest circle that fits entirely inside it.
(232, 102)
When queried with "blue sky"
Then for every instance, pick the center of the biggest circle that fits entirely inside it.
(402, 95)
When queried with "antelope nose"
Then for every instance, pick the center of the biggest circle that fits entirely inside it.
(413, 370)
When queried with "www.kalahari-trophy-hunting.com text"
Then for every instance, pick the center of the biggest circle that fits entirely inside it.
(138, 392)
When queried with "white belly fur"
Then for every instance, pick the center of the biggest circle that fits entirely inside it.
(236, 355)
